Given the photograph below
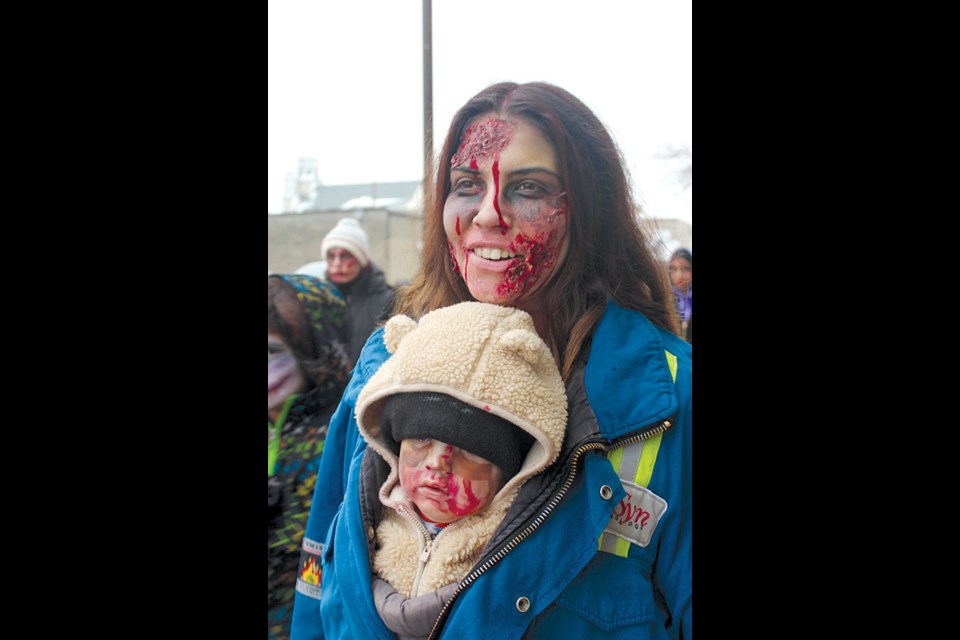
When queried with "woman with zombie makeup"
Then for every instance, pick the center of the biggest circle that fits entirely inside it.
(531, 209)
(307, 370)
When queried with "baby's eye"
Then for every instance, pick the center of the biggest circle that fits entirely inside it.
(472, 457)
(419, 443)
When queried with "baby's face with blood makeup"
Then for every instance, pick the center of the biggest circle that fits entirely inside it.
(446, 482)
(506, 215)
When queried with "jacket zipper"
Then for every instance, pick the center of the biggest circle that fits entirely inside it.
(427, 549)
(533, 526)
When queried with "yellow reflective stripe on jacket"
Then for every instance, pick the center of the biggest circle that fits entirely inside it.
(634, 463)
(672, 363)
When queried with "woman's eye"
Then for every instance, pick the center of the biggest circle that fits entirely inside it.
(466, 186)
(529, 188)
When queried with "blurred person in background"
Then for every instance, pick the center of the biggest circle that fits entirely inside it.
(307, 371)
(363, 284)
(680, 267)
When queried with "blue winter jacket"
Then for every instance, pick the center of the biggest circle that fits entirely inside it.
(596, 546)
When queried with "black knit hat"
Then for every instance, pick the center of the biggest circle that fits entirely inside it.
(442, 417)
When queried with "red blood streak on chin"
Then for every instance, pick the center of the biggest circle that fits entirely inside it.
(496, 195)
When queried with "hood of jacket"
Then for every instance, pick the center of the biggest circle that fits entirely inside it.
(485, 355)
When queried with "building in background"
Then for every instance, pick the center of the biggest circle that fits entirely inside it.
(299, 186)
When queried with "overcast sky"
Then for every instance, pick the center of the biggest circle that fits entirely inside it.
(345, 80)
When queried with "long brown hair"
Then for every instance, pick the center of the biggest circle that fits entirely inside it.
(610, 254)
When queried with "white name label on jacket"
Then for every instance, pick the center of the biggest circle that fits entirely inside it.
(637, 515)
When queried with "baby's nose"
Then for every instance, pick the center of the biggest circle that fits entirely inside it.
(439, 457)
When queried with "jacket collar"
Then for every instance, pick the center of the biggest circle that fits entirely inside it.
(627, 346)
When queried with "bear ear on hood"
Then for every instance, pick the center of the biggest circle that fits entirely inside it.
(396, 329)
(525, 344)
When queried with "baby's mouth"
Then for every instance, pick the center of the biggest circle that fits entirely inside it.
(435, 493)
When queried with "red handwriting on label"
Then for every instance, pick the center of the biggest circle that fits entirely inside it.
(628, 514)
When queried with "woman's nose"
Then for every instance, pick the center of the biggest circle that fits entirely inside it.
(490, 214)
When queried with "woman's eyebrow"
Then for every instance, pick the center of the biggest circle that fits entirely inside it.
(513, 174)
(529, 170)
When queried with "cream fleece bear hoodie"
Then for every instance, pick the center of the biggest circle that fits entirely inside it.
(487, 356)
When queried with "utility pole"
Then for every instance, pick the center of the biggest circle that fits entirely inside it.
(427, 97)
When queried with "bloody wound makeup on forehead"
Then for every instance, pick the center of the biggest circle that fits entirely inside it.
(482, 140)
(485, 139)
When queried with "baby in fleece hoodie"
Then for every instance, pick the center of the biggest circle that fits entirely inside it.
(469, 406)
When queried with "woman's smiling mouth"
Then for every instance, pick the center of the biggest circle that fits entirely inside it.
(494, 254)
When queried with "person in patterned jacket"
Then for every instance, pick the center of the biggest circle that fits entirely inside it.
(308, 333)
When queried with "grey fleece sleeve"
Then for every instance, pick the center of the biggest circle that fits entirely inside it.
(409, 617)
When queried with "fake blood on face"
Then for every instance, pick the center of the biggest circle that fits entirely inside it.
(496, 195)
(485, 139)
(527, 272)
(442, 485)
(482, 140)
(532, 210)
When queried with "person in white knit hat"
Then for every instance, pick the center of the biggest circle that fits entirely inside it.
(349, 236)
(362, 283)
(470, 406)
